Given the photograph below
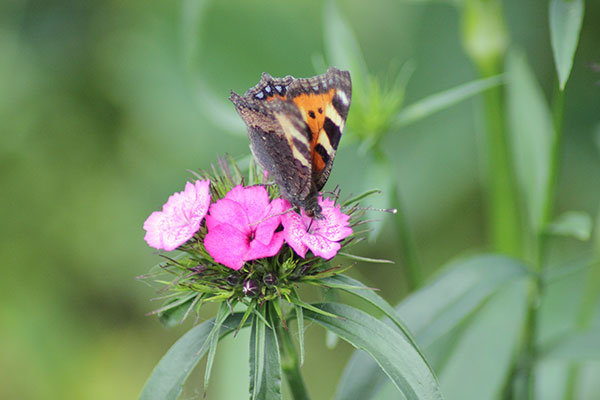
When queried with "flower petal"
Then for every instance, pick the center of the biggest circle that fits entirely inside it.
(294, 231)
(228, 212)
(254, 200)
(259, 250)
(263, 231)
(227, 245)
(180, 217)
(321, 246)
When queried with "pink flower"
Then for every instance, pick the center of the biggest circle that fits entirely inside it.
(321, 236)
(180, 217)
(242, 225)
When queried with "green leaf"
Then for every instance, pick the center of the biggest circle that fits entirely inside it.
(213, 340)
(580, 346)
(531, 134)
(356, 288)
(566, 18)
(175, 315)
(300, 319)
(169, 375)
(487, 349)
(436, 311)
(576, 224)
(265, 365)
(440, 101)
(393, 352)
(341, 46)
(365, 259)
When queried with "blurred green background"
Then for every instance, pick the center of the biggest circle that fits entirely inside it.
(105, 104)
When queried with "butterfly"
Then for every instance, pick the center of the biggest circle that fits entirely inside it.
(294, 127)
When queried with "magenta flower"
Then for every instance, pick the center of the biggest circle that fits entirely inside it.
(180, 217)
(321, 236)
(242, 225)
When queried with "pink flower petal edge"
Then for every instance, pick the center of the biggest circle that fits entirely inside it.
(180, 217)
(321, 236)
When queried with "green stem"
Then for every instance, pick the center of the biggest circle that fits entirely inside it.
(547, 213)
(503, 217)
(290, 365)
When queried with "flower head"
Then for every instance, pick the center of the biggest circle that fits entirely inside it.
(321, 236)
(180, 217)
(242, 226)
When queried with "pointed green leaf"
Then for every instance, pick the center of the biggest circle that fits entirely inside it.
(531, 134)
(488, 347)
(566, 18)
(572, 223)
(265, 364)
(213, 341)
(440, 101)
(391, 350)
(169, 375)
(435, 311)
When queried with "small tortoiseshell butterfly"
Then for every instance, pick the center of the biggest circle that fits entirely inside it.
(295, 126)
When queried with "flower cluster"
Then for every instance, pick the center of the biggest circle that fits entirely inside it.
(245, 225)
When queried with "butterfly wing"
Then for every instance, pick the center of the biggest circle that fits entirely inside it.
(323, 101)
(295, 126)
(278, 140)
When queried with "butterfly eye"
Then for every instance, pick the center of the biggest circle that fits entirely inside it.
(259, 95)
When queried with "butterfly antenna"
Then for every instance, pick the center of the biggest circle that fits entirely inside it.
(387, 210)
(271, 216)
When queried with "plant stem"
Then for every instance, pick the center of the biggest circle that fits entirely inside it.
(537, 291)
(504, 228)
(414, 273)
(290, 365)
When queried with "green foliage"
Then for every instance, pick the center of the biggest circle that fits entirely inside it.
(566, 18)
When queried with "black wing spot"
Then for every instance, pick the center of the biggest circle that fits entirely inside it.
(333, 132)
(323, 153)
(320, 110)
(312, 114)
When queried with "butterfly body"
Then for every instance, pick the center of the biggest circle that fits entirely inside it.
(294, 127)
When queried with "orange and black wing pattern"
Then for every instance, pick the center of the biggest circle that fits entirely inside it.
(295, 126)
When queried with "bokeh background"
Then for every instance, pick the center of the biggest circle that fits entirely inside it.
(104, 105)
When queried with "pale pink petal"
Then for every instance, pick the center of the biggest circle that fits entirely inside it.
(259, 250)
(253, 199)
(153, 226)
(334, 225)
(294, 232)
(320, 246)
(227, 245)
(180, 217)
(229, 212)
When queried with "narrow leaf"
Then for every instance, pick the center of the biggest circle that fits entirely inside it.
(531, 135)
(365, 259)
(169, 375)
(572, 223)
(435, 311)
(213, 340)
(300, 319)
(395, 355)
(566, 18)
(265, 364)
(440, 101)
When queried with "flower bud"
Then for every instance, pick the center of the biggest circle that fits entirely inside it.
(269, 279)
(250, 288)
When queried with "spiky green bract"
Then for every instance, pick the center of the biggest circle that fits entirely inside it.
(193, 278)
